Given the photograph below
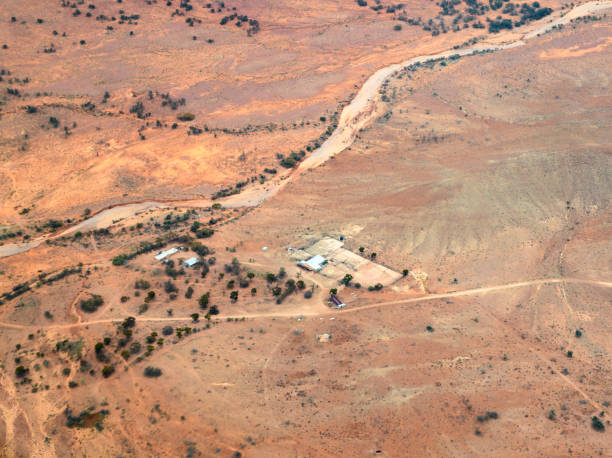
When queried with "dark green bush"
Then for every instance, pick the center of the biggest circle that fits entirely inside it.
(152, 372)
(91, 305)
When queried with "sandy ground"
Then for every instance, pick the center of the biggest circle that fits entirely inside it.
(487, 177)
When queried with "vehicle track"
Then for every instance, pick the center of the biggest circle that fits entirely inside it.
(325, 312)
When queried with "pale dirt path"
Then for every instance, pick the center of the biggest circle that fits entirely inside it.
(325, 312)
(355, 116)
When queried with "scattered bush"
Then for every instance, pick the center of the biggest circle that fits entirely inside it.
(487, 416)
(135, 347)
(20, 371)
(204, 232)
(170, 287)
(142, 284)
(91, 305)
(597, 424)
(186, 117)
(120, 260)
(152, 372)
(107, 371)
(203, 300)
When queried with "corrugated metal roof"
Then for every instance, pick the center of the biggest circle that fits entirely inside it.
(163, 254)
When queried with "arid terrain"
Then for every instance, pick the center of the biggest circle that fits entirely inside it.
(165, 165)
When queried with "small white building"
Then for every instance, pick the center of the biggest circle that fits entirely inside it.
(316, 263)
(191, 262)
(164, 254)
(336, 302)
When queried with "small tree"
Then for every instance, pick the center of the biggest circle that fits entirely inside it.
(20, 371)
(597, 424)
(169, 287)
(234, 296)
(91, 305)
(204, 299)
(152, 372)
(195, 317)
(333, 291)
(107, 371)
(347, 279)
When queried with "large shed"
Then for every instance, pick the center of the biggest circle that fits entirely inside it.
(164, 254)
(316, 263)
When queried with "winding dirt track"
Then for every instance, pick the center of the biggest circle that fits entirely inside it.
(325, 312)
(355, 116)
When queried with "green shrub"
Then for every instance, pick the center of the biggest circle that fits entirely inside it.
(152, 372)
(597, 424)
(120, 260)
(203, 300)
(142, 284)
(107, 371)
(91, 305)
(204, 232)
(20, 371)
(186, 117)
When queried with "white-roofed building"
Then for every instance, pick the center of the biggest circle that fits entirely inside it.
(316, 263)
(191, 262)
(164, 254)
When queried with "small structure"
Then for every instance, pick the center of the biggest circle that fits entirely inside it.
(164, 254)
(323, 338)
(336, 302)
(191, 262)
(315, 264)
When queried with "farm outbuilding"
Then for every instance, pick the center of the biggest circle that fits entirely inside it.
(316, 263)
(164, 254)
(191, 262)
(336, 302)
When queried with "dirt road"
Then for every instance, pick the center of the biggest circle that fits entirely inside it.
(327, 311)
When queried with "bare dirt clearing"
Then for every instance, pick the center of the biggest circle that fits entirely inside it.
(485, 177)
